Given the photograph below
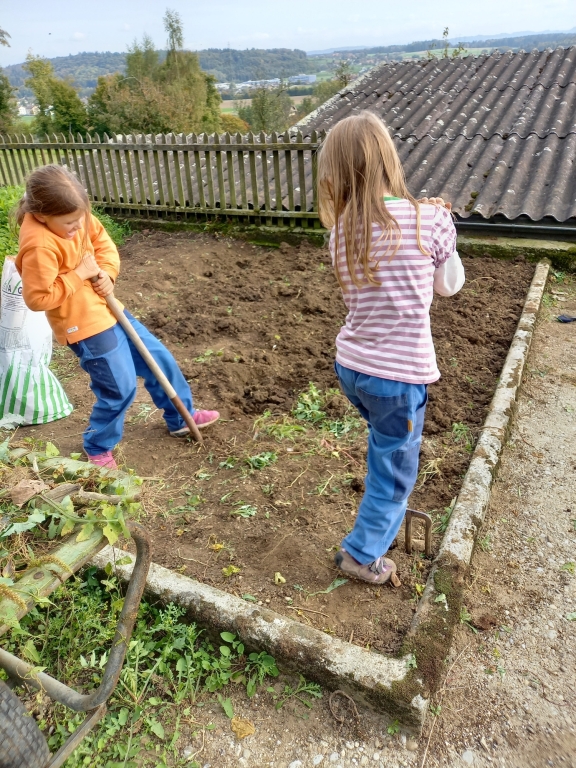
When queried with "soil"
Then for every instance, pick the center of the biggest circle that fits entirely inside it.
(251, 327)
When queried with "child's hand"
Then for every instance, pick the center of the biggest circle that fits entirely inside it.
(88, 267)
(104, 285)
(439, 201)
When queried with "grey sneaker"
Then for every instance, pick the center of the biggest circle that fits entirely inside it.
(378, 572)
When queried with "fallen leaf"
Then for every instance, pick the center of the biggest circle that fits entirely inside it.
(242, 727)
(25, 489)
(395, 580)
(513, 564)
(278, 578)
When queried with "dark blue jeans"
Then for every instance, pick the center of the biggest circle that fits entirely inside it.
(113, 363)
(395, 415)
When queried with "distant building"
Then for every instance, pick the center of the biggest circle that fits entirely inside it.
(302, 79)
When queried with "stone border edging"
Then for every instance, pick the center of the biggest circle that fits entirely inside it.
(470, 508)
(392, 685)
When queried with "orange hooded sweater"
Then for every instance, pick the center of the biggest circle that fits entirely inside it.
(46, 264)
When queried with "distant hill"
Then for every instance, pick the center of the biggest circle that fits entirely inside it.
(226, 64)
(527, 43)
(83, 69)
(231, 65)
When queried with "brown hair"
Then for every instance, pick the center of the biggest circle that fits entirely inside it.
(358, 165)
(52, 191)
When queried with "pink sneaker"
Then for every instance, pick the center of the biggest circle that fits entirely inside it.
(103, 460)
(203, 419)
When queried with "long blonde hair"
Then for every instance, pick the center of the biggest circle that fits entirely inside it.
(358, 165)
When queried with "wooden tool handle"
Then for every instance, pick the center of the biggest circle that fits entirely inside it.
(153, 365)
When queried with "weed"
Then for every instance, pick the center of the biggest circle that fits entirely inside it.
(226, 705)
(309, 405)
(244, 510)
(466, 618)
(558, 277)
(261, 460)
(340, 427)
(228, 463)
(442, 523)
(208, 355)
(118, 231)
(170, 668)
(268, 489)
(435, 709)
(144, 413)
(462, 434)
(230, 570)
(330, 588)
(569, 567)
(486, 543)
(429, 470)
(304, 688)
(393, 728)
(280, 429)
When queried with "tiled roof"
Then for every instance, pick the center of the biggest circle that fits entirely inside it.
(495, 134)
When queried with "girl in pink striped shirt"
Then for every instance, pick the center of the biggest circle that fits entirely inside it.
(390, 253)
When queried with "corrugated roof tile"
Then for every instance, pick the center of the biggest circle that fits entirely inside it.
(496, 134)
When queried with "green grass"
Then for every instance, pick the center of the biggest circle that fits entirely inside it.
(118, 231)
(9, 197)
(171, 673)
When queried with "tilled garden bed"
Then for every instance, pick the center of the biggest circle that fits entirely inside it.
(261, 509)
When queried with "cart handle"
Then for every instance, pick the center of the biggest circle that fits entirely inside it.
(25, 673)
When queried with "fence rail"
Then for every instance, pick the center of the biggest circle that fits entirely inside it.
(264, 179)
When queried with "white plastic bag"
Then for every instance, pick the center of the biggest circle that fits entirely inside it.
(29, 391)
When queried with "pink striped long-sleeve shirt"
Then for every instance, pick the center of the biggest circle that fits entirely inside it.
(387, 330)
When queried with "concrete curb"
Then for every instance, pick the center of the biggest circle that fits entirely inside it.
(391, 685)
(336, 664)
(470, 508)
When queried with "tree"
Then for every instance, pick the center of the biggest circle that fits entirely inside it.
(270, 110)
(142, 60)
(343, 73)
(446, 54)
(41, 74)
(157, 97)
(4, 38)
(233, 124)
(60, 108)
(8, 109)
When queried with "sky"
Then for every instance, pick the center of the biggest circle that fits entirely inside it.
(61, 27)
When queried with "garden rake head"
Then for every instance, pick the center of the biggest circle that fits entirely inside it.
(410, 515)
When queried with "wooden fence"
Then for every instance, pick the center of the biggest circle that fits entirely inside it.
(261, 179)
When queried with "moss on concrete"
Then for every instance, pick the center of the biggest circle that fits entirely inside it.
(431, 638)
(270, 237)
(561, 255)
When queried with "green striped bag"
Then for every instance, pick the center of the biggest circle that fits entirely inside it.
(29, 391)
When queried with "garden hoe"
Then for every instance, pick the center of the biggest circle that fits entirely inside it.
(153, 365)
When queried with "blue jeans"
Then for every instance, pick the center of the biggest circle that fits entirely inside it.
(113, 364)
(395, 415)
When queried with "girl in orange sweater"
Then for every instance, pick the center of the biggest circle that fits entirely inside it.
(62, 247)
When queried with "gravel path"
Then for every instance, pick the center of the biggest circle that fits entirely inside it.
(509, 696)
